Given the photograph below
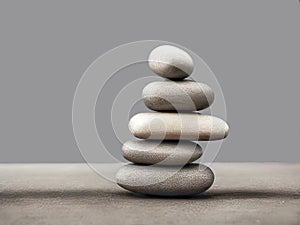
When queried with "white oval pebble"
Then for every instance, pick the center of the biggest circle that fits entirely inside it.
(171, 62)
(174, 126)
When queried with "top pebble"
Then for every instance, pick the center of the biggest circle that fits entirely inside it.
(171, 62)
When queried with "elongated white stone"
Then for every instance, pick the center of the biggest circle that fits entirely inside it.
(174, 126)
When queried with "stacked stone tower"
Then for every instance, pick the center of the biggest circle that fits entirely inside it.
(164, 153)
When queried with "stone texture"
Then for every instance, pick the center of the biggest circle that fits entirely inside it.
(179, 96)
(174, 126)
(164, 153)
(165, 181)
(171, 62)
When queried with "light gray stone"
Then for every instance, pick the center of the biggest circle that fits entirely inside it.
(162, 153)
(175, 126)
(184, 95)
(165, 180)
(171, 62)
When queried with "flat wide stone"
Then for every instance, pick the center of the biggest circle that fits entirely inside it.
(162, 153)
(178, 126)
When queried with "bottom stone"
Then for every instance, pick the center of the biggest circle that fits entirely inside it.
(165, 180)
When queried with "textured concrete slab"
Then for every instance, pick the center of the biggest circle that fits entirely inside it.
(243, 193)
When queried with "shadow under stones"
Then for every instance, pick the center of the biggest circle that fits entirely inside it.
(229, 194)
(100, 194)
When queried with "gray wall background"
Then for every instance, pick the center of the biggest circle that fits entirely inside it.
(253, 47)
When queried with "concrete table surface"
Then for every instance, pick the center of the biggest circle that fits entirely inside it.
(243, 193)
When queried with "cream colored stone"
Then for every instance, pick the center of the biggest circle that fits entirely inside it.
(163, 153)
(174, 126)
(179, 96)
(171, 62)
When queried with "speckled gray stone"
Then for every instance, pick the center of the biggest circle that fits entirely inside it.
(179, 96)
(174, 126)
(171, 62)
(165, 181)
(164, 153)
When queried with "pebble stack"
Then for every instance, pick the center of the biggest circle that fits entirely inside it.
(164, 153)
